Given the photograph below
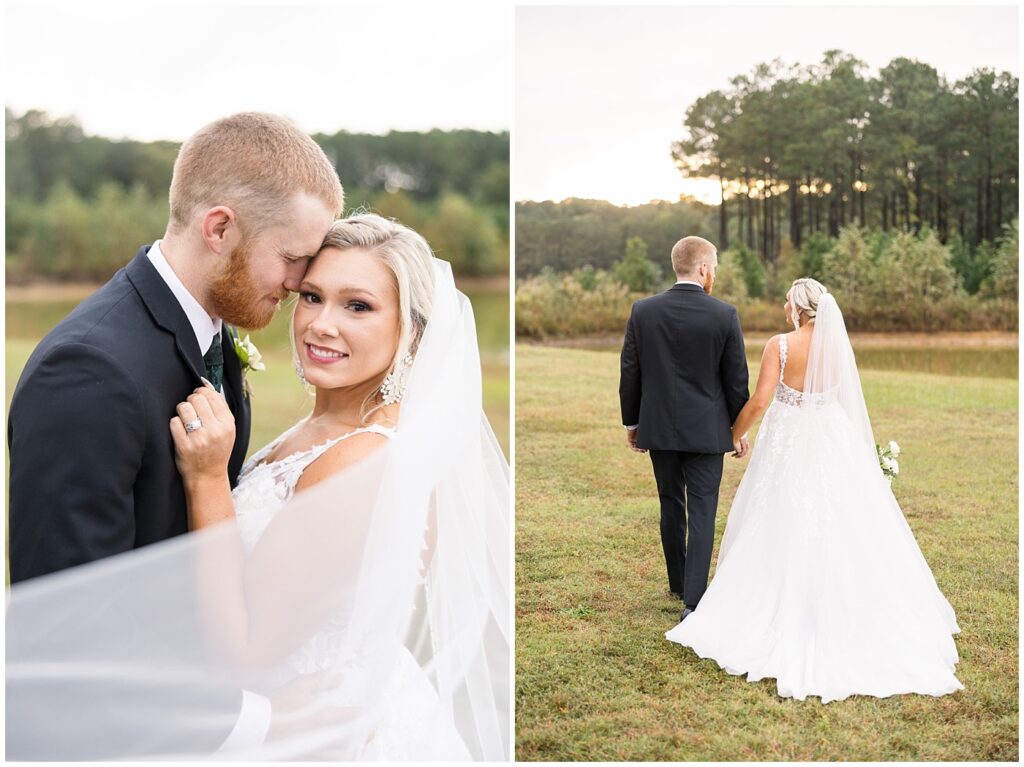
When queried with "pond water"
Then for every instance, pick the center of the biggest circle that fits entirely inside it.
(31, 320)
(963, 355)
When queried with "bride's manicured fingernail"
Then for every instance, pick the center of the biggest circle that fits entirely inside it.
(201, 378)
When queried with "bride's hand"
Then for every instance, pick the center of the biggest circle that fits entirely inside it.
(203, 452)
(740, 446)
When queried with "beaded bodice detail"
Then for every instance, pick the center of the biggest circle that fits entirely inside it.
(787, 395)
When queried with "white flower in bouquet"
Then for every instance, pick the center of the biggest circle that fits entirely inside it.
(887, 460)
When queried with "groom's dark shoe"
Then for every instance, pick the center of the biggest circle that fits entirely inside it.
(686, 611)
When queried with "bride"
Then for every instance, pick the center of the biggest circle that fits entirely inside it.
(355, 583)
(820, 583)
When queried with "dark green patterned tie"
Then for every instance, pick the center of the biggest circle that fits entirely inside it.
(214, 360)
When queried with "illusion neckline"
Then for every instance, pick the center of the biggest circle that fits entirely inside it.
(374, 428)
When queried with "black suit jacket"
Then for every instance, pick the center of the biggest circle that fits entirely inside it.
(683, 376)
(92, 469)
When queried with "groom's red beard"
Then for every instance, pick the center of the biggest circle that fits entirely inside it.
(235, 296)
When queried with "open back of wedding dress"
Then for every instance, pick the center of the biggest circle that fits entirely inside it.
(374, 607)
(820, 583)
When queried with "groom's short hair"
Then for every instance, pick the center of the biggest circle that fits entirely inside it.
(253, 163)
(691, 252)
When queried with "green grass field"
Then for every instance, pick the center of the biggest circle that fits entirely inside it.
(595, 678)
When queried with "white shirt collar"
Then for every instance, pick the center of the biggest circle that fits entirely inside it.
(690, 282)
(204, 326)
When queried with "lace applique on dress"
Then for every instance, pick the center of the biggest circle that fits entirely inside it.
(263, 488)
(787, 395)
(410, 729)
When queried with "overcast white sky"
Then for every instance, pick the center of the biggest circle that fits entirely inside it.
(601, 91)
(162, 72)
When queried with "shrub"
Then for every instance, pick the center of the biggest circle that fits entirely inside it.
(559, 306)
(750, 267)
(636, 270)
(729, 283)
(1004, 279)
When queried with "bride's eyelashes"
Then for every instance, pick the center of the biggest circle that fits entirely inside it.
(355, 305)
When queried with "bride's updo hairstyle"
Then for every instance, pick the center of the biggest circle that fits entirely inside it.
(804, 296)
(411, 263)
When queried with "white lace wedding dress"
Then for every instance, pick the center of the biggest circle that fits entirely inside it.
(412, 727)
(820, 583)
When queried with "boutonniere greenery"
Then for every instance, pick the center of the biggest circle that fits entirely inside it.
(249, 357)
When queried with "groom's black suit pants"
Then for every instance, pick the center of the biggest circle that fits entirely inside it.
(688, 488)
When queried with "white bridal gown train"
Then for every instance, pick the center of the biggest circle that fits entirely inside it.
(820, 583)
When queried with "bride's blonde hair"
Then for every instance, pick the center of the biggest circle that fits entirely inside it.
(804, 295)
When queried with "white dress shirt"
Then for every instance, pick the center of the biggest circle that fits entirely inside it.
(680, 282)
(203, 325)
(254, 717)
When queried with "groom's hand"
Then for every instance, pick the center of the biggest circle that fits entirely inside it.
(631, 441)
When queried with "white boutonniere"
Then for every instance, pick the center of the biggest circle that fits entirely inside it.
(249, 357)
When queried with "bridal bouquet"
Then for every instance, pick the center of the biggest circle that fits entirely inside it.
(887, 460)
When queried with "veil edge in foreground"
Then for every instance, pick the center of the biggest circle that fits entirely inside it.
(406, 554)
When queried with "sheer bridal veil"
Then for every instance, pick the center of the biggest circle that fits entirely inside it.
(149, 654)
(832, 369)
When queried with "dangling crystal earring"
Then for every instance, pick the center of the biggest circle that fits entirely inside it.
(299, 371)
(393, 388)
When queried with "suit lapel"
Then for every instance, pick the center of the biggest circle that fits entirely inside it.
(234, 392)
(165, 310)
(232, 366)
(168, 314)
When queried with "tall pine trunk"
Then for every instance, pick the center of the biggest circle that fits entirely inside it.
(723, 222)
(794, 214)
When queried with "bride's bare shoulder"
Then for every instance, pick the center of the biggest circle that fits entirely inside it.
(341, 456)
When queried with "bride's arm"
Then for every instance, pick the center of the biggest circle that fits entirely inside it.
(762, 397)
(202, 458)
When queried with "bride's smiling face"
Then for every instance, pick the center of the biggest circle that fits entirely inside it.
(346, 323)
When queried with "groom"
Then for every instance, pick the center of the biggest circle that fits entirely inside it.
(683, 381)
(92, 469)
(92, 460)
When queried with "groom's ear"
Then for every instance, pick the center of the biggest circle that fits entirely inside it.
(220, 229)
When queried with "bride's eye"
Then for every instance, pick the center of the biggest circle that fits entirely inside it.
(359, 306)
(309, 297)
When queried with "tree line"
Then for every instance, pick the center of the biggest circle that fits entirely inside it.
(884, 281)
(78, 206)
(800, 150)
(574, 233)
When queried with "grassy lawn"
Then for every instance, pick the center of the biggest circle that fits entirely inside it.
(595, 678)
